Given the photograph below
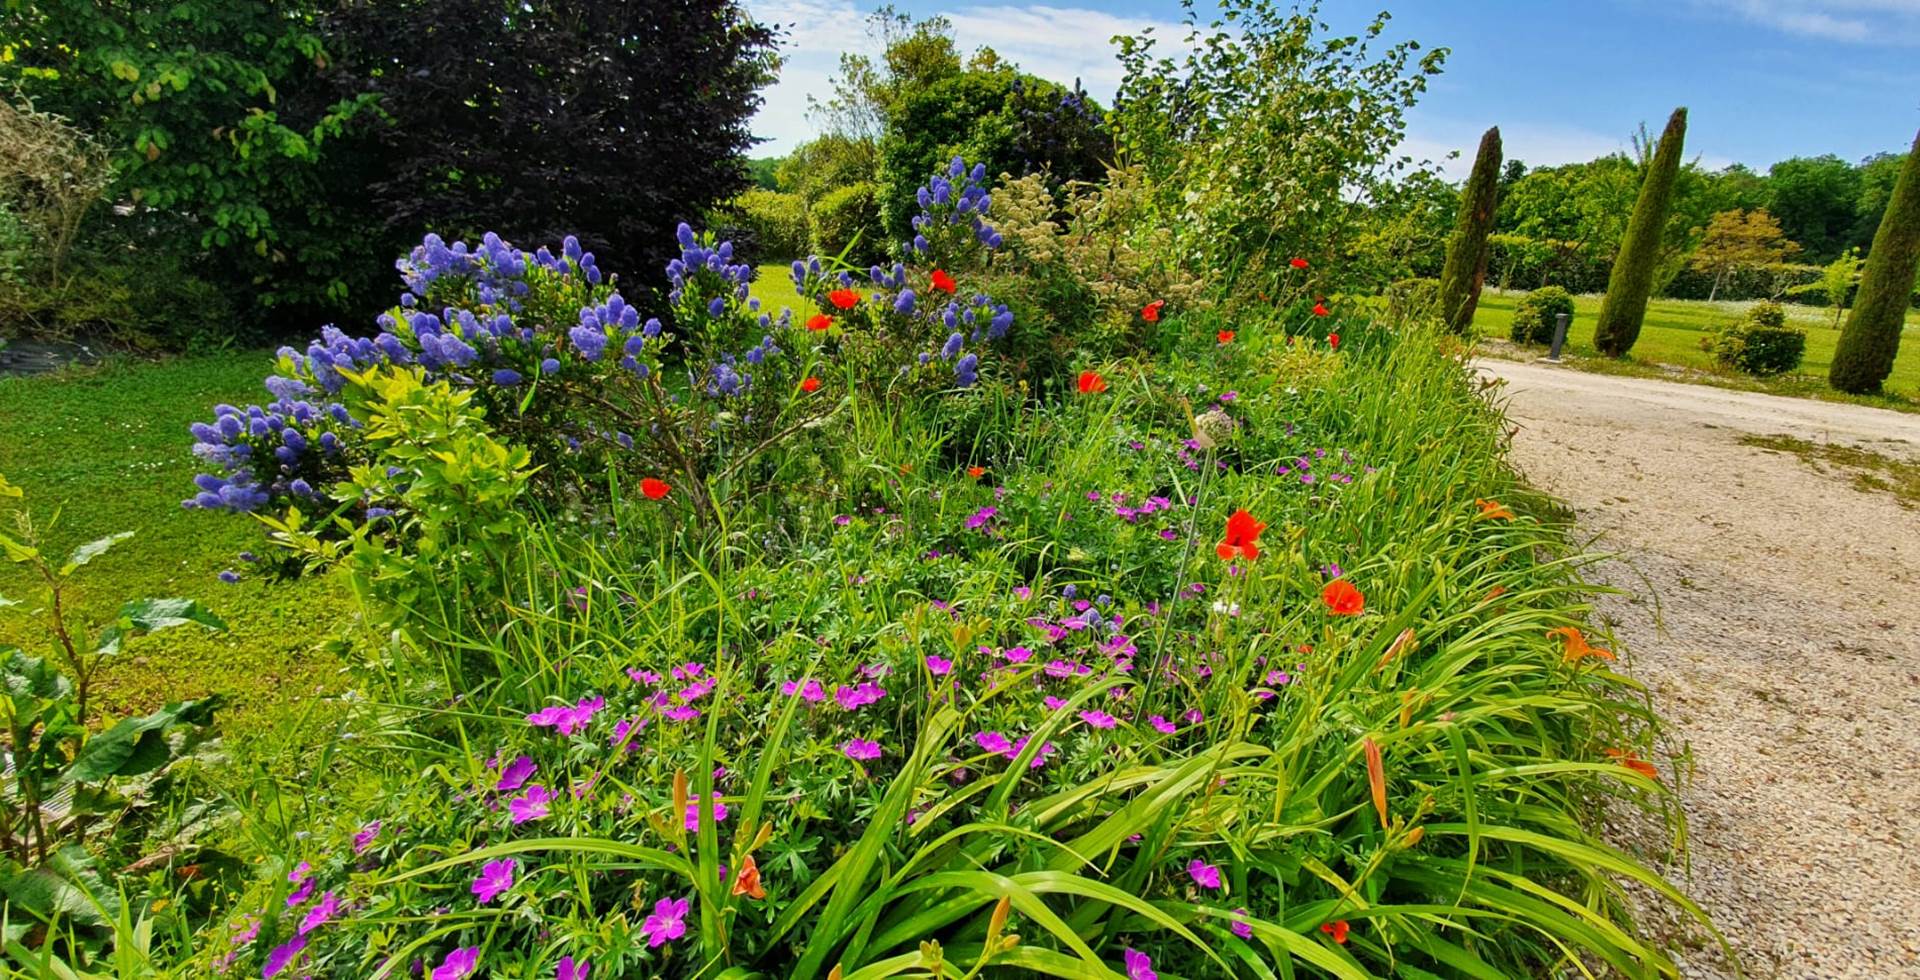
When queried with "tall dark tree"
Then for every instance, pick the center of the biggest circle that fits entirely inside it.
(1867, 346)
(1466, 268)
(1631, 281)
(537, 119)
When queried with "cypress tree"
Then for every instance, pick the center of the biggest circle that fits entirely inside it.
(1631, 281)
(1466, 267)
(1864, 356)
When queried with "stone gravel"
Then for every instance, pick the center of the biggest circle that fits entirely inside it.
(1773, 610)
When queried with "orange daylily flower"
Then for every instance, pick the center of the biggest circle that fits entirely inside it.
(747, 881)
(1493, 510)
(819, 321)
(654, 489)
(1092, 383)
(1577, 648)
(1626, 758)
(1243, 537)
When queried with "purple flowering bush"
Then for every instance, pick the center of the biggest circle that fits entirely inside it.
(1020, 704)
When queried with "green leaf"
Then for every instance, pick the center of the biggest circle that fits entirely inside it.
(67, 886)
(91, 550)
(152, 616)
(32, 677)
(136, 745)
(9, 490)
(17, 552)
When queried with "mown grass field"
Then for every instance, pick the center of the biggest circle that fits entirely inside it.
(107, 447)
(1672, 336)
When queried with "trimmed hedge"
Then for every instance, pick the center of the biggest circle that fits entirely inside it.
(776, 224)
(843, 215)
(1533, 316)
(1759, 343)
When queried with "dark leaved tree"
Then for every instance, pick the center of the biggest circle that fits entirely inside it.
(608, 120)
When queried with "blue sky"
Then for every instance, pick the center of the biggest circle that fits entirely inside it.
(1565, 80)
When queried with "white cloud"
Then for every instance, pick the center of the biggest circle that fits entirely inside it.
(1057, 43)
(1851, 21)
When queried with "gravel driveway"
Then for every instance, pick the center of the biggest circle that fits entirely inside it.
(1774, 611)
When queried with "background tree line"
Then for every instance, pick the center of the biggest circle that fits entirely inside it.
(250, 167)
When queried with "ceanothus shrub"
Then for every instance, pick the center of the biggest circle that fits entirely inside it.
(557, 362)
(919, 323)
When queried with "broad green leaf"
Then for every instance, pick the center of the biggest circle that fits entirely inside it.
(136, 745)
(17, 552)
(9, 490)
(91, 550)
(32, 677)
(153, 615)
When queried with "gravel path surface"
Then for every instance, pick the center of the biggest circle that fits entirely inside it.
(1783, 646)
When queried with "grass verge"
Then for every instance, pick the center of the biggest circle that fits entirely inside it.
(107, 448)
(1669, 349)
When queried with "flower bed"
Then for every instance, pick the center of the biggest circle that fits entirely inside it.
(839, 644)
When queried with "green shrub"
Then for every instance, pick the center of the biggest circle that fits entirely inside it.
(774, 224)
(1534, 315)
(847, 216)
(142, 302)
(16, 244)
(1759, 343)
(1415, 297)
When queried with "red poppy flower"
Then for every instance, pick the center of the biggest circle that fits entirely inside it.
(1320, 309)
(844, 299)
(943, 282)
(654, 489)
(1297, 262)
(1333, 341)
(819, 321)
(1151, 313)
(1092, 383)
(976, 471)
(1342, 598)
(1226, 336)
(1338, 930)
(1243, 537)
(810, 385)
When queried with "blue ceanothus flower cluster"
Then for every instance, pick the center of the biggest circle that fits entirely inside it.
(292, 448)
(941, 203)
(952, 222)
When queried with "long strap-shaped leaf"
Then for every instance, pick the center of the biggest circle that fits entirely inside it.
(848, 876)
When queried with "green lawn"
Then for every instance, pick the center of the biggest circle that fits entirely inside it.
(108, 448)
(1672, 337)
(773, 286)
